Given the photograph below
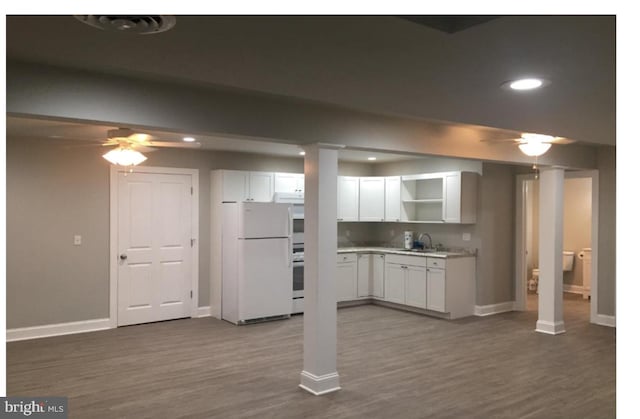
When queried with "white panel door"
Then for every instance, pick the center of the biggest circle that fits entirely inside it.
(348, 200)
(392, 200)
(416, 287)
(261, 186)
(154, 247)
(371, 199)
(451, 209)
(235, 186)
(436, 290)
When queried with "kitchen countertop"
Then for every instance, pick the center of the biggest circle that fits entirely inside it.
(396, 251)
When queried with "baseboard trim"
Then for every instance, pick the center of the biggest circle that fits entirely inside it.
(550, 328)
(319, 385)
(204, 311)
(491, 309)
(58, 329)
(573, 289)
(605, 320)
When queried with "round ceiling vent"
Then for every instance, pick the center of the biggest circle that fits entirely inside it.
(138, 24)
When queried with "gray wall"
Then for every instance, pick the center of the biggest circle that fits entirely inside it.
(607, 231)
(56, 189)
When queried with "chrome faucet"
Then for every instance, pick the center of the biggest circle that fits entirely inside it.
(430, 241)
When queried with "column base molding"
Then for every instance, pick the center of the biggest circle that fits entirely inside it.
(319, 385)
(550, 328)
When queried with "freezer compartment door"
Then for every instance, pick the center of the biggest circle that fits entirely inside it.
(266, 278)
(264, 219)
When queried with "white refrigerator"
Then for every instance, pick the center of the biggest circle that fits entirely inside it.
(257, 270)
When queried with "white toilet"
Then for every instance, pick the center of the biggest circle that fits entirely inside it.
(567, 265)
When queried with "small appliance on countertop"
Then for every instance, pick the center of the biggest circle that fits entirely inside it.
(408, 240)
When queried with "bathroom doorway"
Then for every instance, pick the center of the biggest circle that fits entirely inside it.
(579, 243)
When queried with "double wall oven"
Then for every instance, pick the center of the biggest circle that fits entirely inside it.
(298, 273)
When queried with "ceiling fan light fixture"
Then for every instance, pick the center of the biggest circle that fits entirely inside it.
(124, 157)
(534, 148)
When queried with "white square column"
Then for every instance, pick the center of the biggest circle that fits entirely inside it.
(550, 203)
(319, 374)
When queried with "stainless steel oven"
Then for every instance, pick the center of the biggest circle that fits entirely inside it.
(298, 274)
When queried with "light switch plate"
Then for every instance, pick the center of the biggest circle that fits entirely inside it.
(77, 240)
(466, 237)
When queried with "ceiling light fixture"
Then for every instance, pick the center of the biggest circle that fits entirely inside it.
(302, 153)
(535, 145)
(124, 156)
(189, 139)
(530, 83)
(372, 158)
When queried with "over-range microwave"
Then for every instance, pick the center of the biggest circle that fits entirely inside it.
(294, 198)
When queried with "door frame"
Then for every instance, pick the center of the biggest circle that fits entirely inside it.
(520, 302)
(113, 233)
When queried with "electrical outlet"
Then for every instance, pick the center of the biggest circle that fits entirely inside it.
(348, 233)
(77, 240)
(466, 237)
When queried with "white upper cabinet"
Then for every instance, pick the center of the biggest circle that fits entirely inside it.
(289, 182)
(239, 185)
(261, 186)
(448, 197)
(392, 200)
(372, 201)
(348, 198)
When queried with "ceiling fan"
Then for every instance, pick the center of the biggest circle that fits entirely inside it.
(533, 145)
(130, 145)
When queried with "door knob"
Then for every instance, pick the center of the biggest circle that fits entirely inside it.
(123, 257)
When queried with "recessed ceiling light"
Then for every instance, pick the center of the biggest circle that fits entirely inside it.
(302, 153)
(526, 84)
(188, 139)
(371, 158)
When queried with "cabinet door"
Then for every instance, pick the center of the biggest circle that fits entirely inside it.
(289, 182)
(371, 199)
(261, 186)
(346, 281)
(348, 199)
(235, 186)
(394, 283)
(364, 275)
(451, 207)
(392, 200)
(377, 276)
(436, 290)
(416, 287)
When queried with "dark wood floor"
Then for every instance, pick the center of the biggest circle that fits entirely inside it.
(392, 364)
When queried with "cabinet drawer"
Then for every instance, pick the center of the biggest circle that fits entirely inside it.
(407, 260)
(436, 263)
(346, 257)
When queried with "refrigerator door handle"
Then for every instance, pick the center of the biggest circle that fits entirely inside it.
(290, 250)
(290, 220)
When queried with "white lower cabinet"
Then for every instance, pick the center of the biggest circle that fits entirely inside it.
(370, 275)
(405, 280)
(347, 277)
(436, 289)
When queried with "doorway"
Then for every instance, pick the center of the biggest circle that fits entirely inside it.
(580, 240)
(154, 258)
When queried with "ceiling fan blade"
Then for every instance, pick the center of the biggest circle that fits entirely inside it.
(142, 148)
(173, 144)
(562, 141)
(500, 140)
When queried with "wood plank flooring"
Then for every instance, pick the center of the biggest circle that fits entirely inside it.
(392, 364)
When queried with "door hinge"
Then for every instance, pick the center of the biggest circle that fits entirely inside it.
(193, 241)
(192, 190)
(191, 294)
